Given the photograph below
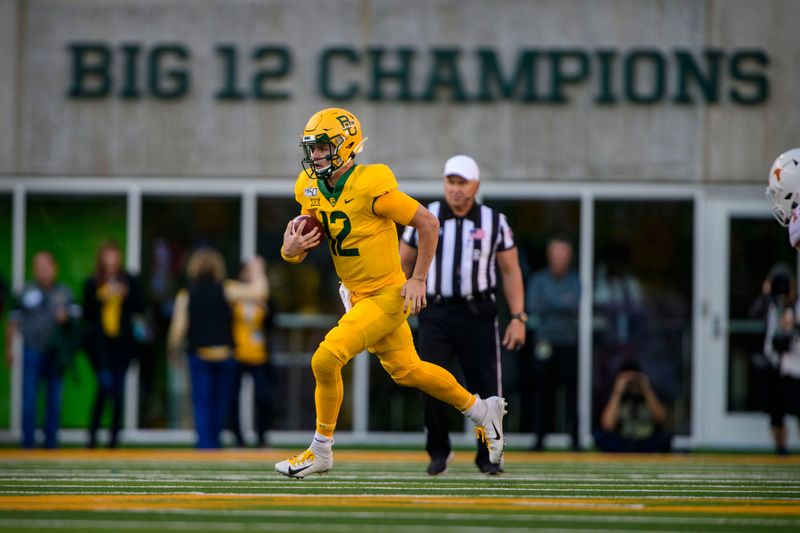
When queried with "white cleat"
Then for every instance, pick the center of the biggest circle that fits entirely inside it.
(305, 464)
(490, 431)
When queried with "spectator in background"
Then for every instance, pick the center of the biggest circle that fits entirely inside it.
(43, 310)
(252, 321)
(634, 418)
(202, 313)
(110, 298)
(781, 369)
(553, 297)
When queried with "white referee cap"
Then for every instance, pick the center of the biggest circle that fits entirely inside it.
(464, 166)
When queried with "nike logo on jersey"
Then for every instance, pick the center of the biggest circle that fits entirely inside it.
(349, 200)
(293, 472)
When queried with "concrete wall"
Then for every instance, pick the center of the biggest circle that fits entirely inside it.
(9, 56)
(199, 136)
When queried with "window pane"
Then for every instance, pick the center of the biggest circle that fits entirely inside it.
(72, 228)
(756, 245)
(172, 227)
(541, 399)
(643, 300)
(5, 305)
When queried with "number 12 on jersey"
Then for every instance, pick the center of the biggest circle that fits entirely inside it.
(337, 243)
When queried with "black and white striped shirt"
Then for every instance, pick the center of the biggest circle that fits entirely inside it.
(466, 257)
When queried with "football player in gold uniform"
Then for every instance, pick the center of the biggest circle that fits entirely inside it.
(358, 206)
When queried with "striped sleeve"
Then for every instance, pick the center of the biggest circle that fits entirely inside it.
(505, 237)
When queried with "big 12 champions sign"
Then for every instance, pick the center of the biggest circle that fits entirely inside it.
(101, 70)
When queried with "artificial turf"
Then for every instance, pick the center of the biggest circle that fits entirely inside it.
(387, 491)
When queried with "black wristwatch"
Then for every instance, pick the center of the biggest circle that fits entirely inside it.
(522, 317)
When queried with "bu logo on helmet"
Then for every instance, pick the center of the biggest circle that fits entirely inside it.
(346, 124)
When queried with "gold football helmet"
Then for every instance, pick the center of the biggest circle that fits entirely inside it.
(341, 130)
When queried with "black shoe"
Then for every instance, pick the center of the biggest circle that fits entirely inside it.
(491, 469)
(438, 465)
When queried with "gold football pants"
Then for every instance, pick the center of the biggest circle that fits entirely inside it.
(377, 322)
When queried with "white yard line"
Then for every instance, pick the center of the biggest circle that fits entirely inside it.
(300, 493)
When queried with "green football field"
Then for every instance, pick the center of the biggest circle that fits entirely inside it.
(387, 491)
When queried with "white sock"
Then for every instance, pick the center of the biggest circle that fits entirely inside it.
(321, 444)
(478, 411)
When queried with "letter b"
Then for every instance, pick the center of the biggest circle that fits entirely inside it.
(91, 76)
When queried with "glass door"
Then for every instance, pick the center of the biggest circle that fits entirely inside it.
(746, 248)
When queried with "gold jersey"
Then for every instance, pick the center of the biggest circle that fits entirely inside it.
(363, 244)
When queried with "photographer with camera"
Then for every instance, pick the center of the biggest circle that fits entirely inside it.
(633, 419)
(777, 304)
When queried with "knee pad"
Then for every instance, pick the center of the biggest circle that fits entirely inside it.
(325, 364)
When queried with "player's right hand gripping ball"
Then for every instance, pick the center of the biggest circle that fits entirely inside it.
(311, 223)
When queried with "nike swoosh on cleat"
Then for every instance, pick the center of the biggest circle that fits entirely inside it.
(496, 433)
(293, 472)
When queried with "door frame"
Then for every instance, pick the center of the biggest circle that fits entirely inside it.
(713, 425)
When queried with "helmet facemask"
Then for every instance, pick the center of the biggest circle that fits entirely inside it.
(782, 204)
(334, 159)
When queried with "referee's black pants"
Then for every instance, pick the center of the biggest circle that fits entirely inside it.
(468, 334)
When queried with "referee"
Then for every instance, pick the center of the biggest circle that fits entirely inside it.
(460, 320)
